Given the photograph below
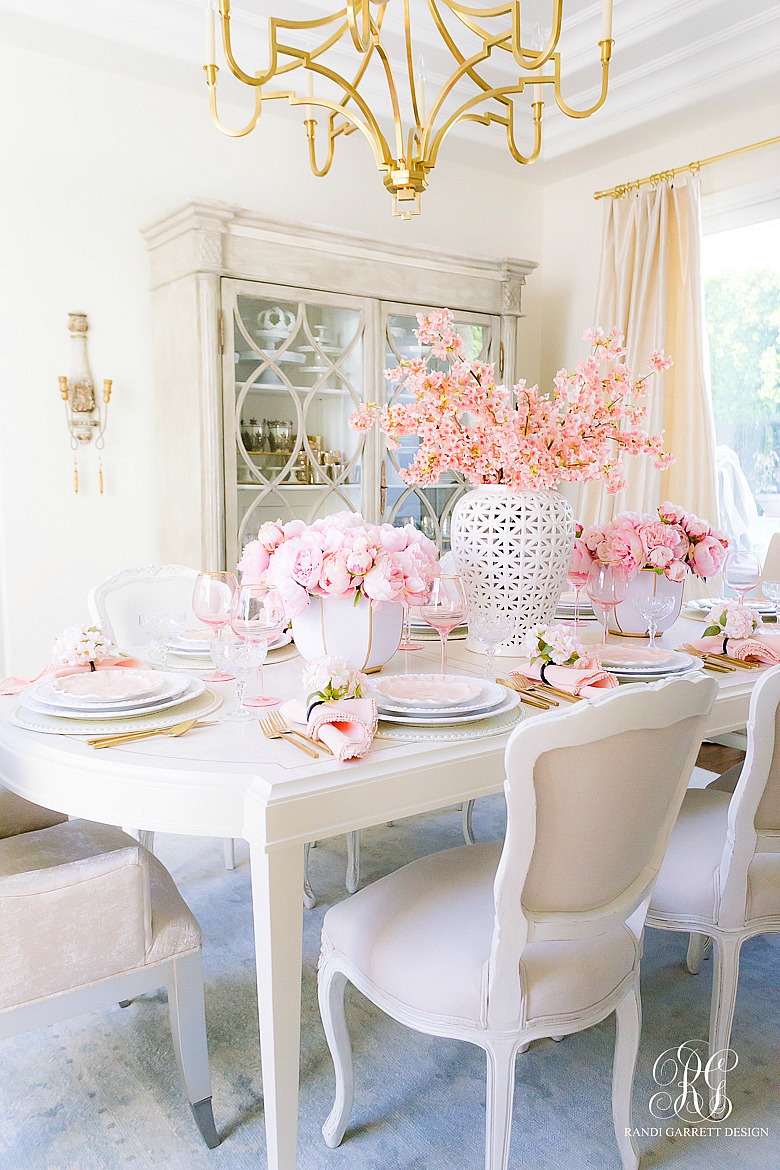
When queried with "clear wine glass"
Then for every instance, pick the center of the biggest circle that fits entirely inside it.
(491, 625)
(742, 572)
(406, 643)
(236, 658)
(444, 609)
(654, 609)
(258, 616)
(607, 586)
(161, 629)
(772, 593)
(212, 600)
(578, 581)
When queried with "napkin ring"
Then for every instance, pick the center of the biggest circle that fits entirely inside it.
(546, 681)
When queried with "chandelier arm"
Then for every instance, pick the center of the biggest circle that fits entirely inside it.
(499, 93)
(508, 123)
(211, 81)
(453, 46)
(370, 127)
(606, 53)
(393, 91)
(511, 40)
(410, 71)
(311, 126)
(361, 37)
(463, 68)
(261, 77)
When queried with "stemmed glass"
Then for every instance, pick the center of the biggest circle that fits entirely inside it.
(444, 609)
(160, 629)
(578, 581)
(653, 609)
(772, 593)
(212, 599)
(258, 616)
(407, 643)
(607, 586)
(742, 572)
(235, 657)
(491, 625)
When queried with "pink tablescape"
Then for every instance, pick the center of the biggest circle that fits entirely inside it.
(336, 712)
(556, 656)
(77, 649)
(735, 629)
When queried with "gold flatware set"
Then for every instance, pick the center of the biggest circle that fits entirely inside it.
(273, 726)
(106, 741)
(538, 694)
(720, 663)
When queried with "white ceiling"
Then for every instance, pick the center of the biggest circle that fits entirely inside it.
(673, 59)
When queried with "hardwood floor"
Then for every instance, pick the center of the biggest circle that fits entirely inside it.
(716, 758)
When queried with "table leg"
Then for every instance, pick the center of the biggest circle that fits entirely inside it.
(277, 877)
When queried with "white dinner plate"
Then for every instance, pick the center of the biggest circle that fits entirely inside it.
(679, 663)
(172, 685)
(429, 720)
(194, 651)
(705, 604)
(490, 694)
(194, 689)
(429, 690)
(103, 686)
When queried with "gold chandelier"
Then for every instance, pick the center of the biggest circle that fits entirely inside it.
(474, 37)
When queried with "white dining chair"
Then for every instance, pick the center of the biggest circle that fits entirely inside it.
(116, 605)
(88, 918)
(720, 879)
(18, 815)
(499, 943)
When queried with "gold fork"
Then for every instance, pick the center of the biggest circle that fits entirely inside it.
(270, 732)
(279, 722)
(707, 661)
(528, 696)
(133, 736)
(548, 689)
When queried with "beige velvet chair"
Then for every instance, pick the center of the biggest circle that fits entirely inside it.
(720, 878)
(501, 944)
(88, 917)
(18, 815)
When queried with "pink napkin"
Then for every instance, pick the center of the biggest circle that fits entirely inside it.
(346, 727)
(584, 680)
(12, 685)
(763, 648)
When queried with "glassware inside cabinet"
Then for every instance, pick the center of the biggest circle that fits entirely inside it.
(427, 508)
(298, 376)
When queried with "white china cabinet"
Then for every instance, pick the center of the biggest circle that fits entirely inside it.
(268, 336)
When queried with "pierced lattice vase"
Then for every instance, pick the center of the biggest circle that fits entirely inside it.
(515, 547)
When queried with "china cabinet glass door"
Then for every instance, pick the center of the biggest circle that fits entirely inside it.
(428, 508)
(295, 370)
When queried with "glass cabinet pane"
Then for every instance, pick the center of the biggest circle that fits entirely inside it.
(428, 508)
(298, 366)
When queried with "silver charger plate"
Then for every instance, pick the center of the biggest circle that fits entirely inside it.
(428, 720)
(194, 689)
(195, 708)
(497, 724)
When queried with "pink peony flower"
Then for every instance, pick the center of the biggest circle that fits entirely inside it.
(253, 564)
(335, 576)
(676, 571)
(696, 528)
(393, 539)
(672, 513)
(294, 596)
(581, 560)
(307, 565)
(385, 581)
(271, 535)
(707, 557)
(293, 528)
(359, 561)
(659, 557)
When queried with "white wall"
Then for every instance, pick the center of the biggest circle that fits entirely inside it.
(573, 220)
(87, 159)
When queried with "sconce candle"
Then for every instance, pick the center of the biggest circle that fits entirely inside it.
(85, 418)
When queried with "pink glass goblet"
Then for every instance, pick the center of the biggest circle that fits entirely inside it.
(212, 600)
(742, 572)
(578, 581)
(607, 586)
(258, 616)
(445, 608)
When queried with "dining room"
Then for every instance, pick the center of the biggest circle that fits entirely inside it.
(389, 585)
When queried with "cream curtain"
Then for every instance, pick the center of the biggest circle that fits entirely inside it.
(650, 287)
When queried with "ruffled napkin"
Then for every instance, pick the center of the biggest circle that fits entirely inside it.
(346, 727)
(764, 648)
(589, 678)
(13, 685)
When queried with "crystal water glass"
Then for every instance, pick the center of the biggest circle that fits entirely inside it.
(444, 609)
(212, 600)
(742, 572)
(771, 590)
(607, 586)
(161, 629)
(654, 609)
(258, 615)
(491, 625)
(236, 658)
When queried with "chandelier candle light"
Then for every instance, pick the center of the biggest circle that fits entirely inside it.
(415, 123)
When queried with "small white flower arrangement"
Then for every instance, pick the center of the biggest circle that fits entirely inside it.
(82, 646)
(554, 646)
(729, 619)
(328, 680)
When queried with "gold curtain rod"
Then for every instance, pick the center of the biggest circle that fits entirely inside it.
(667, 176)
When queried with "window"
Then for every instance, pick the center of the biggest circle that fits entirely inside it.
(742, 305)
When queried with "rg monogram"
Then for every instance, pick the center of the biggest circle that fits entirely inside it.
(683, 1073)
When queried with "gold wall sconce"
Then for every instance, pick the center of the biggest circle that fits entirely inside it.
(86, 418)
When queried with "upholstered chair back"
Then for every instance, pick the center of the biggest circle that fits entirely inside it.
(592, 795)
(117, 603)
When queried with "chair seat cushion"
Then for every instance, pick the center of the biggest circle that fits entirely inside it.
(686, 883)
(422, 937)
(18, 815)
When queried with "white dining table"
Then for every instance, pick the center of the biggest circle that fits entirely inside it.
(228, 781)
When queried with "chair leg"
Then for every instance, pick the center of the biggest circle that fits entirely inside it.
(229, 846)
(725, 977)
(498, 1103)
(188, 1027)
(309, 897)
(628, 1025)
(467, 813)
(698, 947)
(353, 861)
(146, 838)
(331, 987)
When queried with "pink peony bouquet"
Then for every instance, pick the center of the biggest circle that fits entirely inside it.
(673, 542)
(340, 556)
(522, 439)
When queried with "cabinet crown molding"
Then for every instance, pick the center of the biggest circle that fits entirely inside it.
(205, 236)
